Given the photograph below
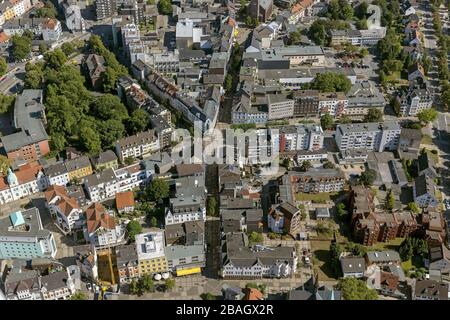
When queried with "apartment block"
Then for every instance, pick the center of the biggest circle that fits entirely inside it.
(151, 254)
(371, 136)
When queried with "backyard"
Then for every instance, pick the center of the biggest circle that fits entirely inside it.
(322, 197)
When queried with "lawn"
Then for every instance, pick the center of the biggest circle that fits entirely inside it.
(391, 245)
(415, 261)
(314, 197)
(321, 260)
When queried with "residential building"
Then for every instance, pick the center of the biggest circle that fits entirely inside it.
(187, 233)
(382, 258)
(367, 37)
(280, 107)
(51, 30)
(334, 103)
(95, 65)
(283, 218)
(105, 8)
(370, 136)
(317, 180)
(72, 13)
(151, 253)
(86, 260)
(306, 103)
(137, 145)
(30, 142)
(26, 181)
(56, 174)
(353, 267)
(22, 285)
(189, 201)
(57, 285)
(101, 186)
(416, 72)
(22, 236)
(261, 9)
(125, 202)
(426, 165)
(105, 160)
(245, 220)
(66, 209)
(363, 96)
(410, 140)
(101, 229)
(414, 101)
(298, 137)
(241, 261)
(163, 130)
(430, 290)
(425, 191)
(127, 263)
(78, 168)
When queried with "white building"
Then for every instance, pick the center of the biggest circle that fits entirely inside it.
(51, 30)
(280, 106)
(56, 174)
(241, 261)
(137, 145)
(22, 236)
(26, 181)
(298, 137)
(333, 103)
(66, 209)
(74, 20)
(189, 202)
(415, 101)
(101, 186)
(424, 190)
(371, 136)
(101, 229)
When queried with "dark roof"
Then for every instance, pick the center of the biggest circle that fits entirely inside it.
(126, 254)
(189, 169)
(300, 295)
(431, 289)
(353, 264)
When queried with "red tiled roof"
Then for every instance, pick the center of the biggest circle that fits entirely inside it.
(97, 217)
(124, 200)
(253, 294)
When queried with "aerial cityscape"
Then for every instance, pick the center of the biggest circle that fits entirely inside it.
(224, 150)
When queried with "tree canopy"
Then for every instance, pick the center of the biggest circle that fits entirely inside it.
(165, 7)
(427, 115)
(21, 47)
(5, 163)
(368, 177)
(355, 289)
(373, 115)
(133, 228)
(331, 82)
(158, 190)
(3, 66)
(326, 121)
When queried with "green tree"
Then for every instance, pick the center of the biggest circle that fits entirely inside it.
(158, 190)
(134, 287)
(335, 254)
(306, 165)
(47, 11)
(78, 296)
(68, 48)
(406, 249)
(6, 103)
(328, 165)
(110, 131)
(390, 200)
(138, 121)
(21, 47)
(34, 75)
(43, 48)
(331, 82)
(3, 66)
(361, 24)
(412, 206)
(55, 59)
(165, 7)
(368, 177)
(129, 161)
(317, 33)
(146, 283)
(90, 140)
(355, 289)
(228, 82)
(109, 79)
(211, 207)
(208, 296)
(5, 164)
(58, 142)
(170, 284)
(107, 107)
(255, 237)
(133, 228)
(427, 115)
(373, 115)
(295, 37)
(154, 222)
(326, 121)
(341, 211)
(345, 119)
